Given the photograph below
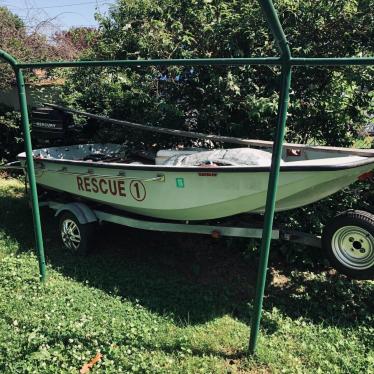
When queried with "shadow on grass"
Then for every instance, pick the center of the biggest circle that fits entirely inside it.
(191, 278)
(331, 299)
(16, 217)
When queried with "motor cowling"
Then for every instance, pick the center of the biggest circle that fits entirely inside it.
(51, 126)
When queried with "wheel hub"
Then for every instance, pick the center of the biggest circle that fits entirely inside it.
(353, 246)
(70, 234)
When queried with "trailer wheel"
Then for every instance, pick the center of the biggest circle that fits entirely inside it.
(349, 241)
(75, 237)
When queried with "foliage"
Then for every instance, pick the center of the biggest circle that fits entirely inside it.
(142, 304)
(327, 106)
(75, 41)
(26, 45)
(31, 46)
(10, 133)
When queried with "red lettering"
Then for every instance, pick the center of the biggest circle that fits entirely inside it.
(87, 186)
(207, 174)
(80, 184)
(112, 187)
(101, 182)
(121, 188)
(95, 187)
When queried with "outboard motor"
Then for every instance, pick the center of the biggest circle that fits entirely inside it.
(51, 126)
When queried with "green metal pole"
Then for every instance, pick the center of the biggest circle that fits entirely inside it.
(270, 205)
(272, 19)
(332, 61)
(31, 171)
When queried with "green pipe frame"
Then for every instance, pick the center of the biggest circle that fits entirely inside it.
(285, 61)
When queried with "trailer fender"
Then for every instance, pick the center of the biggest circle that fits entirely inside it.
(83, 213)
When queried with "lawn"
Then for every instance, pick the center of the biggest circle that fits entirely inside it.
(162, 303)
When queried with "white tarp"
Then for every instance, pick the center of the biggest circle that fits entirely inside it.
(222, 157)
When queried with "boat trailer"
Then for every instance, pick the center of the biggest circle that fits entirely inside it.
(82, 214)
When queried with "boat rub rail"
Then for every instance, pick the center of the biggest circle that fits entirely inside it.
(221, 169)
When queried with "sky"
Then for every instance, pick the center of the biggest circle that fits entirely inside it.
(51, 16)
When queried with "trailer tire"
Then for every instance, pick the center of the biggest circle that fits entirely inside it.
(75, 237)
(349, 242)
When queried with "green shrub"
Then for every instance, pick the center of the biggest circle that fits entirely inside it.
(327, 106)
(11, 141)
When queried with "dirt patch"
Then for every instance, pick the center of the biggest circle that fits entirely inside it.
(278, 279)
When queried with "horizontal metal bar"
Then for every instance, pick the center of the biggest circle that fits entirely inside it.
(156, 62)
(302, 238)
(332, 61)
(241, 232)
(294, 61)
(145, 224)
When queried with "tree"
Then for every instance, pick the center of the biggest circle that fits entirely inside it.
(75, 41)
(24, 46)
(327, 106)
(32, 46)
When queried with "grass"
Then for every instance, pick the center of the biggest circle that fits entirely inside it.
(163, 303)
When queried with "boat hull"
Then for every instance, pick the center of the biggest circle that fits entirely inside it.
(190, 194)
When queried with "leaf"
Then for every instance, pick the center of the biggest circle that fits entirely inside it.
(89, 365)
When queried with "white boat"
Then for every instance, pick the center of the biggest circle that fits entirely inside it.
(179, 185)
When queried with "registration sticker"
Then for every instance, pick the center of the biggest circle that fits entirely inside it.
(179, 182)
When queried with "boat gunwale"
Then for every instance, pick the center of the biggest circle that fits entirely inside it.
(194, 169)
